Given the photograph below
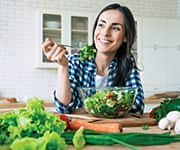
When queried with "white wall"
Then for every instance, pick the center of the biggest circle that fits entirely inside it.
(178, 8)
(18, 39)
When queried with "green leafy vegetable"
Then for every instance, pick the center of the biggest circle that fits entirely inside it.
(32, 121)
(87, 52)
(26, 143)
(35, 105)
(165, 107)
(78, 139)
(50, 141)
(145, 127)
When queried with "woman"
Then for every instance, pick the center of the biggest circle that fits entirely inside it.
(114, 65)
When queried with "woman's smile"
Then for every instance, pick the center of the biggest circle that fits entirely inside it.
(104, 41)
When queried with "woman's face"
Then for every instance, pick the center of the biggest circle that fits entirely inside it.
(109, 32)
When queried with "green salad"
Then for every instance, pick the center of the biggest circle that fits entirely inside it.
(110, 103)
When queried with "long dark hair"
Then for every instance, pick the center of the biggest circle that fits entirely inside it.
(126, 61)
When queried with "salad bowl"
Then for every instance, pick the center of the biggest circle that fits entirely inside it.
(110, 102)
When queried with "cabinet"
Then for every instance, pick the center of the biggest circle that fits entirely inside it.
(160, 54)
(154, 75)
(79, 32)
(154, 32)
(73, 29)
(51, 28)
(173, 71)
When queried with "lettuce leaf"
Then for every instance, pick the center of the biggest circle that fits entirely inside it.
(50, 141)
(78, 139)
(32, 121)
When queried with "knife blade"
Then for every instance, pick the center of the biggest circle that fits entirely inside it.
(75, 116)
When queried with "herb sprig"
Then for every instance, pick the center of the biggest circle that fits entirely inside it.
(87, 52)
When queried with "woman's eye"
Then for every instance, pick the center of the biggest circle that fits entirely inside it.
(116, 28)
(100, 25)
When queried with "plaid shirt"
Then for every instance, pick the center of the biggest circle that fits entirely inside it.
(83, 73)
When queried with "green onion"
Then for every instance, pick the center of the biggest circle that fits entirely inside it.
(125, 139)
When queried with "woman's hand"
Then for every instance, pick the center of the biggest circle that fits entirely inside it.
(55, 52)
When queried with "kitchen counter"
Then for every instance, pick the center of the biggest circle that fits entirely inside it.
(7, 106)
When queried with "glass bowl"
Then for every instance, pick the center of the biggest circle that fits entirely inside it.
(110, 102)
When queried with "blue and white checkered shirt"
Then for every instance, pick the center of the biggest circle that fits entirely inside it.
(83, 73)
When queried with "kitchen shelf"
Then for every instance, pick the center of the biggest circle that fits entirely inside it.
(51, 29)
(80, 31)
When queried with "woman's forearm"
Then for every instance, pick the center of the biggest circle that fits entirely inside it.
(63, 91)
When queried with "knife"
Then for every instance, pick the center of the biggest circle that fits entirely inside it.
(75, 116)
(76, 121)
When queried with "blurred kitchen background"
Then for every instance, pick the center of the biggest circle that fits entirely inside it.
(24, 24)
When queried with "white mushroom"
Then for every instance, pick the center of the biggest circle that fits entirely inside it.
(177, 127)
(164, 123)
(173, 116)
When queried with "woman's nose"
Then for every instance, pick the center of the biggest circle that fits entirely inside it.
(107, 31)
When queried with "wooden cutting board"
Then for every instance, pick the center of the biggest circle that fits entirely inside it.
(128, 121)
(109, 125)
(131, 121)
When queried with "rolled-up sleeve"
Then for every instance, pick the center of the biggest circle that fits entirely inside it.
(135, 82)
(75, 102)
(60, 107)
